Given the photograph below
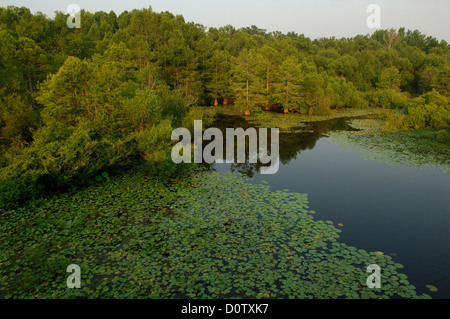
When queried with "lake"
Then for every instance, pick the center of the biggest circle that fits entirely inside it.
(399, 210)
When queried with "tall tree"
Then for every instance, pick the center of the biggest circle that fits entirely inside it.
(288, 88)
(270, 61)
(218, 67)
(247, 85)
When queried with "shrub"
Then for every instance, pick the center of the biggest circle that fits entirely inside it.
(207, 115)
(14, 192)
(417, 117)
(429, 110)
(394, 122)
(389, 98)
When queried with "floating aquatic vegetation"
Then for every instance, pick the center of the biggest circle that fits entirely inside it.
(432, 288)
(293, 122)
(209, 235)
(286, 122)
(407, 148)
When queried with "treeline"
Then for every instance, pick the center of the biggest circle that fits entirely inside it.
(75, 102)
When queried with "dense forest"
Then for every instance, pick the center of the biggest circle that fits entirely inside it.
(77, 102)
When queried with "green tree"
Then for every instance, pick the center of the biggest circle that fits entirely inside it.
(270, 61)
(288, 89)
(390, 79)
(343, 93)
(218, 78)
(429, 110)
(247, 85)
(312, 92)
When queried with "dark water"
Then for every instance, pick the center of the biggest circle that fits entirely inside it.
(399, 210)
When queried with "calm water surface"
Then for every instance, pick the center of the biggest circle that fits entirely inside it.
(399, 210)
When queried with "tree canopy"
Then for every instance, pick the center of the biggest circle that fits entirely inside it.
(75, 101)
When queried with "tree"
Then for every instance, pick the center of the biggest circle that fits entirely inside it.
(347, 66)
(18, 120)
(270, 61)
(32, 61)
(343, 93)
(435, 74)
(391, 38)
(288, 89)
(247, 85)
(218, 78)
(390, 79)
(313, 94)
(179, 63)
(429, 110)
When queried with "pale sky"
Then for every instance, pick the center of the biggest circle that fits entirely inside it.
(314, 18)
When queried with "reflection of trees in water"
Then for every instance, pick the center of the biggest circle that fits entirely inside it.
(291, 144)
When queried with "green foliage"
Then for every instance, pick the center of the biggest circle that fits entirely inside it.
(204, 235)
(390, 98)
(273, 72)
(344, 94)
(247, 87)
(434, 74)
(443, 136)
(288, 91)
(74, 103)
(14, 193)
(174, 104)
(390, 79)
(219, 79)
(141, 110)
(92, 121)
(152, 142)
(394, 121)
(429, 110)
(206, 115)
(18, 118)
(422, 147)
(312, 92)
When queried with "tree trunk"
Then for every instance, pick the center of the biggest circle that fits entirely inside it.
(225, 102)
(247, 92)
(247, 86)
(286, 110)
(247, 113)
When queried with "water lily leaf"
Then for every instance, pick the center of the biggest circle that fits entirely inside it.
(432, 288)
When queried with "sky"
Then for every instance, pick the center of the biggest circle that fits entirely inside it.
(313, 18)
